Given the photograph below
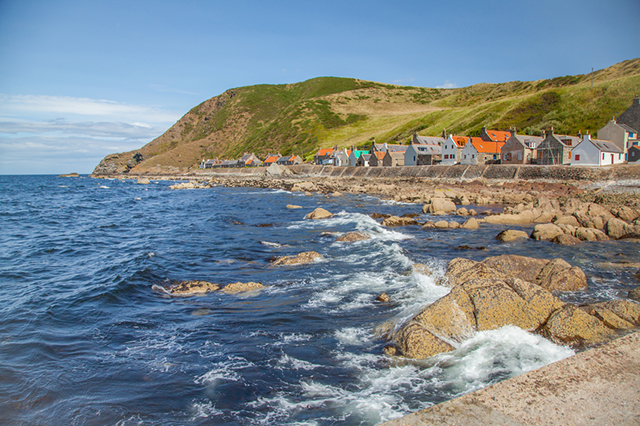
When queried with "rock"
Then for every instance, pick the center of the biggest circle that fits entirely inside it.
(392, 221)
(451, 316)
(70, 175)
(462, 212)
(546, 231)
(616, 228)
(300, 259)
(625, 213)
(514, 266)
(566, 240)
(276, 170)
(238, 287)
(575, 327)
(414, 341)
(304, 187)
(353, 236)
(442, 224)
(566, 220)
(509, 235)
(429, 224)
(389, 350)
(439, 206)
(625, 309)
(292, 206)
(470, 223)
(472, 212)
(454, 225)
(545, 217)
(191, 288)
(608, 318)
(634, 294)
(384, 297)
(462, 270)
(420, 268)
(336, 194)
(558, 275)
(143, 181)
(319, 213)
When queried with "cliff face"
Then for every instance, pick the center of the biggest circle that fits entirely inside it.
(324, 112)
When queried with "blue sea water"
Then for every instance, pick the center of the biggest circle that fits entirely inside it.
(86, 339)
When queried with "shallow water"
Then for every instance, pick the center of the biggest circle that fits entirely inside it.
(84, 338)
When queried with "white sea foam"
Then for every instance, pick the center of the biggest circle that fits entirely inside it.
(270, 244)
(203, 410)
(353, 336)
(104, 187)
(226, 371)
(287, 362)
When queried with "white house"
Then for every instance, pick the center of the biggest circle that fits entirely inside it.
(594, 152)
(451, 150)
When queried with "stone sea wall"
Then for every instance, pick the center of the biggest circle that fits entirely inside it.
(465, 172)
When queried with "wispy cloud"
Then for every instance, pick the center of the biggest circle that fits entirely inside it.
(99, 129)
(407, 80)
(19, 105)
(447, 85)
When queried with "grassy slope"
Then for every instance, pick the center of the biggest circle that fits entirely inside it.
(323, 112)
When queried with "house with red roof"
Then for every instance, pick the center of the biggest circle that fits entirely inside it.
(324, 156)
(452, 149)
(377, 158)
(270, 159)
(479, 151)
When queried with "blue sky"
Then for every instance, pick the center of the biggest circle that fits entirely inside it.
(83, 79)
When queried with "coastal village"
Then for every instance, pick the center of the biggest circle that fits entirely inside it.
(615, 143)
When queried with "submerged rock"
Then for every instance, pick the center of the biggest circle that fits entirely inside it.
(300, 259)
(239, 287)
(353, 236)
(191, 288)
(510, 235)
(398, 221)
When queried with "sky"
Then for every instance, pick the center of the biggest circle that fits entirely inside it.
(81, 79)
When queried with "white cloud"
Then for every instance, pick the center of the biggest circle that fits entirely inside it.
(447, 85)
(101, 129)
(37, 105)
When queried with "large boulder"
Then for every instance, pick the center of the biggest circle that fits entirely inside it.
(514, 266)
(319, 213)
(300, 259)
(470, 223)
(451, 316)
(510, 235)
(439, 206)
(546, 231)
(415, 341)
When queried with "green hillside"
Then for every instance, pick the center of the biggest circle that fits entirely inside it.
(328, 111)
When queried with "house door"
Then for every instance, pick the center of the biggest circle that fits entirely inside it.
(611, 158)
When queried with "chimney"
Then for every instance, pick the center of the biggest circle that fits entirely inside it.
(444, 133)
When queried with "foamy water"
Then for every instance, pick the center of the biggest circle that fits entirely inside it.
(86, 339)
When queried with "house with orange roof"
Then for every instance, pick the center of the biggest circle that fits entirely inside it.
(478, 151)
(377, 158)
(271, 158)
(289, 160)
(494, 135)
(324, 156)
(452, 149)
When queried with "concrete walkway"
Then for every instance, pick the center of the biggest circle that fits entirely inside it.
(600, 386)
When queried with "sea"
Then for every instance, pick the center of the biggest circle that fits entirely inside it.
(87, 337)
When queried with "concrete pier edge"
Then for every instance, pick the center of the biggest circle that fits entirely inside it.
(600, 386)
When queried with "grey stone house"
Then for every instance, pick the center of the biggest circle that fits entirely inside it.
(556, 149)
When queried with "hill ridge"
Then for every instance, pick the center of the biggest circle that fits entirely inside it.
(322, 112)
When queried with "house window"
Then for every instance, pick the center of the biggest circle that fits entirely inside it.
(577, 157)
(603, 155)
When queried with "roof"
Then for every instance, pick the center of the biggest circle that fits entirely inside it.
(461, 141)
(486, 147)
(606, 146)
(429, 140)
(379, 155)
(430, 149)
(530, 142)
(271, 159)
(498, 135)
(397, 148)
(324, 152)
(627, 128)
(631, 116)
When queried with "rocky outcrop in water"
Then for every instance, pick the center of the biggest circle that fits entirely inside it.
(511, 290)
(319, 213)
(300, 259)
(198, 287)
(353, 236)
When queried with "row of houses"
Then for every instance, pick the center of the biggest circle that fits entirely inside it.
(251, 160)
(616, 143)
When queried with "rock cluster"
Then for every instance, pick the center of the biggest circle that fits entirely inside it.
(319, 213)
(197, 287)
(511, 290)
